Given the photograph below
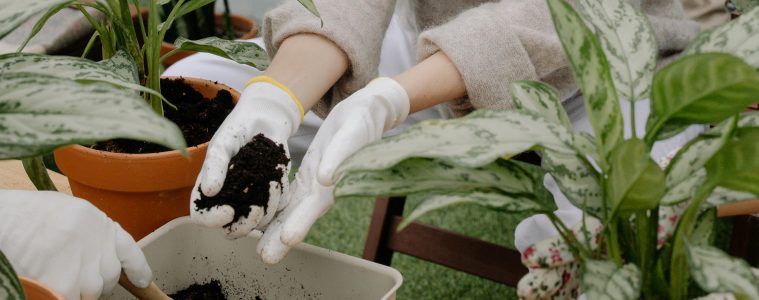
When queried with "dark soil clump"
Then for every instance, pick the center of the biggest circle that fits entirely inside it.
(206, 291)
(248, 177)
(197, 117)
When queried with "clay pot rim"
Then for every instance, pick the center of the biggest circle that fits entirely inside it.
(39, 285)
(164, 154)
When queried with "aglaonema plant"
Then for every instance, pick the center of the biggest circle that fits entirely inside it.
(613, 180)
(131, 51)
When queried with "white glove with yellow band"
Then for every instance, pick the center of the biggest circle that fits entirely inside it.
(265, 107)
(352, 124)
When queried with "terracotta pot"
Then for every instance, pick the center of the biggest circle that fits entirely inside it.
(139, 191)
(34, 290)
(243, 25)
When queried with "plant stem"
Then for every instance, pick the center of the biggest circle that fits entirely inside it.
(646, 243)
(632, 119)
(613, 243)
(678, 272)
(577, 249)
(37, 172)
(228, 30)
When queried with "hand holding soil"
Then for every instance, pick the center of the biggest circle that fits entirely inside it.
(243, 181)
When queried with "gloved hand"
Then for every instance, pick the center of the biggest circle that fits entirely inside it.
(67, 244)
(355, 122)
(265, 107)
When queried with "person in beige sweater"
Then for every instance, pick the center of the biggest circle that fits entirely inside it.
(468, 52)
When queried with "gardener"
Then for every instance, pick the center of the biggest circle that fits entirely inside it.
(468, 53)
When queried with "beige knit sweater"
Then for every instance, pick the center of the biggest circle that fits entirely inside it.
(492, 43)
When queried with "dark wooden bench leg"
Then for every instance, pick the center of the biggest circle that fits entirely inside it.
(381, 228)
(743, 242)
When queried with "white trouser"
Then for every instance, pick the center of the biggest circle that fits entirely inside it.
(397, 55)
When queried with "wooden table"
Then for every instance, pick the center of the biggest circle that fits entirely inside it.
(13, 177)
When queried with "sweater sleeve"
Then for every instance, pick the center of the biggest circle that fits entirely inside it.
(355, 26)
(495, 44)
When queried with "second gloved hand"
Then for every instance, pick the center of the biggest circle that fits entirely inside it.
(266, 109)
(355, 122)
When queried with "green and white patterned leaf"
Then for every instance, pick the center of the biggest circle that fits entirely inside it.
(634, 180)
(722, 195)
(715, 271)
(540, 99)
(703, 233)
(420, 174)
(246, 53)
(591, 71)
(16, 12)
(604, 280)
(628, 41)
(736, 166)
(737, 37)
(700, 89)
(39, 113)
(435, 200)
(576, 179)
(472, 141)
(10, 287)
(119, 71)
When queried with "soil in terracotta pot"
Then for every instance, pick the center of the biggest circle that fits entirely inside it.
(206, 291)
(247, 183)
(197, 117)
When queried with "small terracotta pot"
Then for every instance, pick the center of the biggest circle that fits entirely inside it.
(245, 25)
(139, 191)
(34, 290)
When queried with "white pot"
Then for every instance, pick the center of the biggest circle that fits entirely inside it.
(182, 253)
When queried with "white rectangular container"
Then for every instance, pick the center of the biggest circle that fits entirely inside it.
(182, 253)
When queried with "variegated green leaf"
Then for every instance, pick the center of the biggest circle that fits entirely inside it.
(576, 179)
(119, 71)
(591, 71)
(420, 174)
(540, 99)
(722, 195)
(472, 141)
(701, 89)
(737, 37)
(736, 166)
(16, 12)
(309, 4)
(246, 53)
(628, 42)
(634, 180)
(715, 271)
(10, 287)
(39, 113)
(604, 280)
(702, 234)
(435, 200)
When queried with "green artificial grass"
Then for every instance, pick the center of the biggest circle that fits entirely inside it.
(345, 226)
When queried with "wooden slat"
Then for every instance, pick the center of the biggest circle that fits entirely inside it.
(459, 252)
(13, 177)
(376, 248)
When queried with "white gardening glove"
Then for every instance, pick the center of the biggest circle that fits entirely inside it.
(352, 124)
(267, 108)
(67, 244)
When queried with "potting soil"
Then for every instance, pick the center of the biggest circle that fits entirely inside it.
(207, 291)
(247, 183)
(196, 116)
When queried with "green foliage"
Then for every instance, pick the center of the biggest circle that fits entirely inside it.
(607, 177)
(10, 287)
(604, 280)
(243, 53)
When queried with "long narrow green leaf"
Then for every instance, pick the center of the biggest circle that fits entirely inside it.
(700, 89)
(419, 174)
(628, 41)
(435, 200)
(42, 21)
(39, 113)
(10, 286)
(716, 271)
(737, 37)
(634, 181)
(540, 99)
(472, 141)
(591, 71)
(604, 280)
(736, 165)
(241, 52)
(309, 4)
(16, 12)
